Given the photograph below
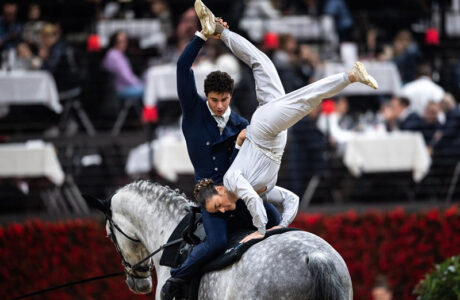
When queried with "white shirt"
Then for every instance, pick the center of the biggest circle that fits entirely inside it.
(420, 92)
(221, 120)
(253, 171)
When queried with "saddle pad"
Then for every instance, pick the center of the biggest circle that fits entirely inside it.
(235, 250)
(171, 256)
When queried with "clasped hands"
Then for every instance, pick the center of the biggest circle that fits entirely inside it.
(257, 235)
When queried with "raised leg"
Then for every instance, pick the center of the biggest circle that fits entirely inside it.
(268, 83)
(269, 120)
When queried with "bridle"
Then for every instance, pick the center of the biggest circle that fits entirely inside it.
(129, 269)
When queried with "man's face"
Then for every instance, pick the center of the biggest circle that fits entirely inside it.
(218, 102)
(220, 202)
(397, 107)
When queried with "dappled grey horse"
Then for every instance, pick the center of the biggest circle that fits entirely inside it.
(292, 265)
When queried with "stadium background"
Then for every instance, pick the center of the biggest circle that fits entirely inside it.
(80, 134)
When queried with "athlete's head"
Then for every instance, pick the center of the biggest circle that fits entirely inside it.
(218, 88)
(214, 198)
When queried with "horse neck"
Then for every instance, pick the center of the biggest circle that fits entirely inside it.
(157, 226)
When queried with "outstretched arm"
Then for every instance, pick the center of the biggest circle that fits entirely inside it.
(287, 200)
(237, 184)
(186, 87)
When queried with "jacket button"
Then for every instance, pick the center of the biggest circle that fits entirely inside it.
(216, 169)
(208, 143)
(213, 158)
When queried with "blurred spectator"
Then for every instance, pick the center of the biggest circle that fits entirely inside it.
(373, 47)
(10, 28)
(59, 58)
(128, 85)
(406, 55)
(309, 60)
(294, 70)
(185, 30)
(381, 289)
(449, 137)
(337, 124)
(422, 90)
(25, 58)
(343, 20)
(285, 60)
(430, 123)
(445, 151)
(33, 26)
(307, 147)
(159, 9)
(400, 117)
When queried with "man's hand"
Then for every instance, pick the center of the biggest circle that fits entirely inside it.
(275, 227)
(254, 235)
(217, 36)
(241, 137)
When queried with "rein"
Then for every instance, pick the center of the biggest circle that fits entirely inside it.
(128, 269)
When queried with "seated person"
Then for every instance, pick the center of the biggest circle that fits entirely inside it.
(401, 117)
(128, 85)
(58, 58)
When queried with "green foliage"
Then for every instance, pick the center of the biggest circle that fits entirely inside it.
(443, 283)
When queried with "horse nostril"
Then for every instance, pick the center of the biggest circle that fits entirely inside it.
(307, 260)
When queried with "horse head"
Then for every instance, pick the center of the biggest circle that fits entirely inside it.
(127, 241)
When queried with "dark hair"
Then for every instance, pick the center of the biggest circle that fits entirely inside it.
(204, 189)
(218, 82)
(404, 101)
(113, 38)
(423, 69)
(381, 281)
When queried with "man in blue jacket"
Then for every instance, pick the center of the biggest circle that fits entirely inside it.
(210, 129)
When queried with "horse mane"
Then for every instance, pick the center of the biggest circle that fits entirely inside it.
(152, 191)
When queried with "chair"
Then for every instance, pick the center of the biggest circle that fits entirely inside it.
(128, 104)
(71, 102)
(453, 183)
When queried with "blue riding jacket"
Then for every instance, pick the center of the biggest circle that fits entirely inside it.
(211, 154)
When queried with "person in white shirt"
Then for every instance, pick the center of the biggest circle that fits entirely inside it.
(253, 174)
(422, 90)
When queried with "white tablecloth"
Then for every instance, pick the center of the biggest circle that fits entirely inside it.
(29, 87)
(394, 152)
(301, 27)
(147, 30)
(30, 160)
(386, 74)
(170, 158)
(452, 23)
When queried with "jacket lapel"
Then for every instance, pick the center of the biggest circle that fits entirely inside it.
(210, 123)
(230, 130)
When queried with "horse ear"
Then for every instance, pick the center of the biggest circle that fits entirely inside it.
(97, 203)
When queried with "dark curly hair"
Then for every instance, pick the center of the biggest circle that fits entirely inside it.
(218, 82)
(204, 189)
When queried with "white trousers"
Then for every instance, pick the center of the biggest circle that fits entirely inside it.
(277, 110)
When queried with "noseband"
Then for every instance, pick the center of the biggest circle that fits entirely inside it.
(130, 270)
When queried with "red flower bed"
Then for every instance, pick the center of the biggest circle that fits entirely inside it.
(402, 246)
(399, 245)
(38, 255)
